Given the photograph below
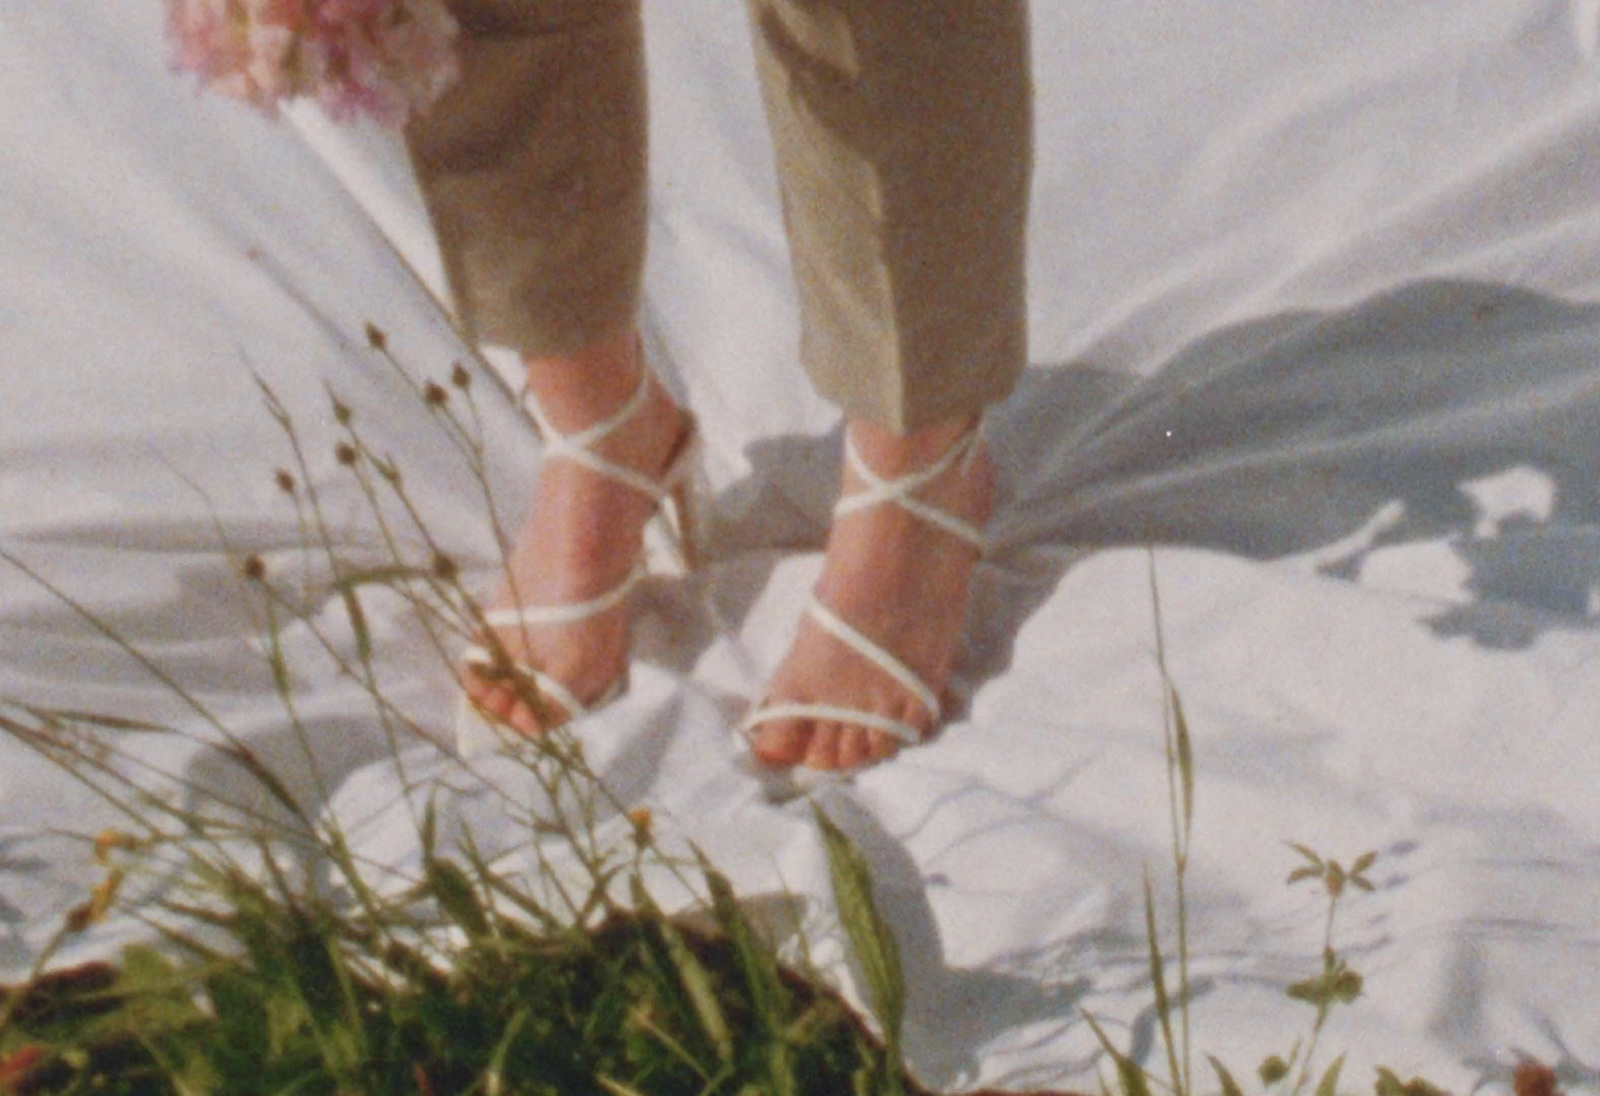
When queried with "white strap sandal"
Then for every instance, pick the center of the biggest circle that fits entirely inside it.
(878, 491)
(677, 494)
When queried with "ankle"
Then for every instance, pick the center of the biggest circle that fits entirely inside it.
(575, 391)
(584, 386)
(890, 454)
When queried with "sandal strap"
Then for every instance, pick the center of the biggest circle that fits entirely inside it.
(898, 490)
(834, 713)
(873, 652)
(833, 624)
(578, 447)
(547, 686)
(570, 613)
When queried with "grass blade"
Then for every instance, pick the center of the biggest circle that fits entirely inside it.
(1329, 1085)
(693, 978)
(494, 1076)
(1158, 983)
(755, 960)
(871, 938)
(1129, 1074)
(1230, 1087)
(1185, 751)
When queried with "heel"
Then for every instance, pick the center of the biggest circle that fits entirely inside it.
(680, 531)
(675, 531)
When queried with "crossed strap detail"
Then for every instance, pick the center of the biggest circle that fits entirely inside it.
(578, 447)
(479, 655)
(831, 623)
(898, 492)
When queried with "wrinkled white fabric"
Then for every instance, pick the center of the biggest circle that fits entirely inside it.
(1315, 299)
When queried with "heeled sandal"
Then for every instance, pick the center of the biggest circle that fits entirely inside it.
(677, 494)
(799, 777)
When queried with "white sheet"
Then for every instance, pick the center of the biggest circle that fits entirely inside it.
(1314, 304)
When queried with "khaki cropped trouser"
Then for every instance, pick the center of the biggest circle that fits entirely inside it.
(903, 137)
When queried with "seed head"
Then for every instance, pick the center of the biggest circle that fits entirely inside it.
(376, 338)
(641, 818)
(342, 413)
(460, 377)
(435, 395)
(285, 481)
(108, 840)
(254, 568)
(345, 453)
(445, 568)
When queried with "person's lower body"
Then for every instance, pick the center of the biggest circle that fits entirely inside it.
(902, 131)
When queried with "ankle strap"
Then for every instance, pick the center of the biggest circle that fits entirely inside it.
(898, 490)
(578, 447)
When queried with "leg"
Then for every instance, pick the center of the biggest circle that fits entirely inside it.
(903, 139)
(899, 582)
(581, 537)
(534, 173)
(533, 168)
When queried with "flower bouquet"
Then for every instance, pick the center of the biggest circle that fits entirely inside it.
(381, 59)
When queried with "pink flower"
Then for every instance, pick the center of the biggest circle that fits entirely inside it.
(386, 59)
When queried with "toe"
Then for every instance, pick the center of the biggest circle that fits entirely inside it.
(780, 742)
(823, 750)
(498, 702)
(523, 720)
(881, 745)
(855, 748)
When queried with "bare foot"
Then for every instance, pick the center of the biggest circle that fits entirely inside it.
(581, 538)
(897, 579)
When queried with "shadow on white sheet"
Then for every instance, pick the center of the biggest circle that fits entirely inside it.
(1367, 440)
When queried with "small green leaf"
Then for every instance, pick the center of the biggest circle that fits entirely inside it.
(1312, 990)
(1273, 1070)
(494, 1074)
(358, 624)
(1180, 730)
(701, 991)
(451, 888)
(1388, 1084)
(1363, 862)
(1306, 872)
(1129, 1075)
(1230, 1087)
(1363, 882)
(870, 938)
(429, 831)
(1132, 1078)
(756, 961)
(1307, 853)
(1346, 986)
(1329, 1085)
